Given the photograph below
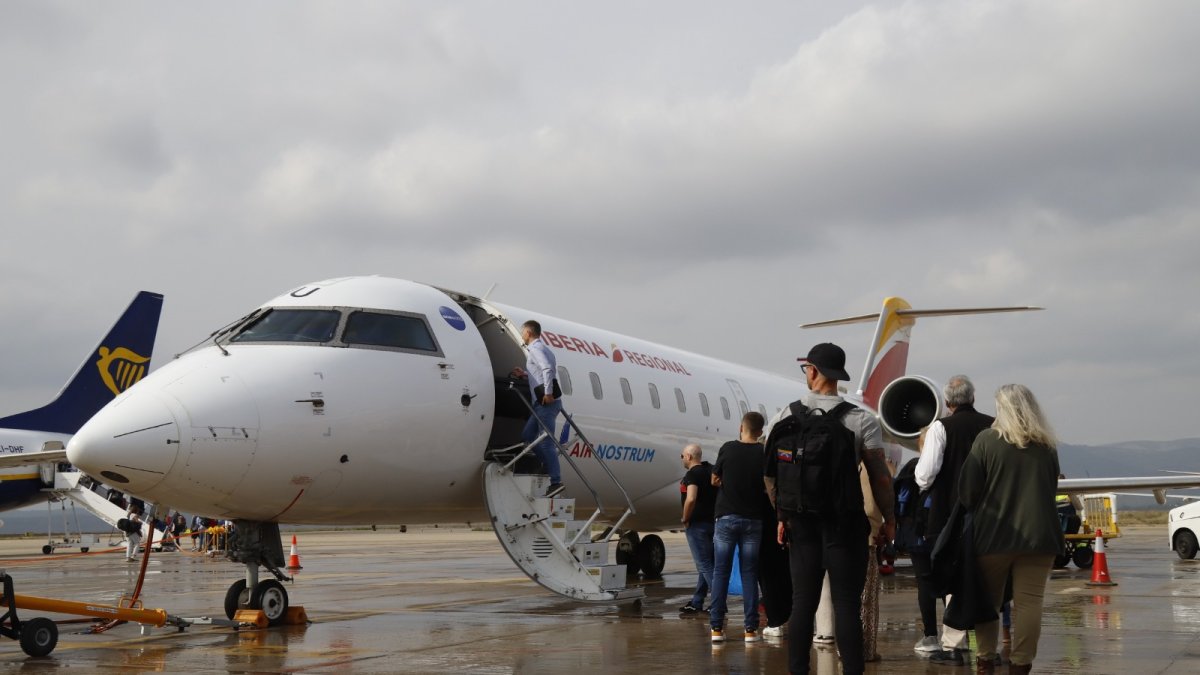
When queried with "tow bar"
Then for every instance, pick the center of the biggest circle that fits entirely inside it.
(39, 636)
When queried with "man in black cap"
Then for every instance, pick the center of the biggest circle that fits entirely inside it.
(838, 547)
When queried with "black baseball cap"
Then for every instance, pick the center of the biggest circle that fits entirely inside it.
(829, 359)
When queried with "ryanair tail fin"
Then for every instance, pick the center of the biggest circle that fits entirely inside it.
(887, 357)
(118, 362)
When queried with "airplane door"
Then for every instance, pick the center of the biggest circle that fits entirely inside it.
(739, 395)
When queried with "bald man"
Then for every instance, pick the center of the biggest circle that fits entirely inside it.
(699, 501)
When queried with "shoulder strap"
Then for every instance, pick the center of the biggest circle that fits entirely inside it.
(798, 409)
(841, 410)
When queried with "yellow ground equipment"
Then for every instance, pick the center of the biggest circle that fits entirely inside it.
(1099, 514)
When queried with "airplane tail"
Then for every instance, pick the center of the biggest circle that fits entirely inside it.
(118, 362)
(887, 357)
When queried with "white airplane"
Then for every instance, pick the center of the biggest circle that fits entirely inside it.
(33, 442)
(366, 399)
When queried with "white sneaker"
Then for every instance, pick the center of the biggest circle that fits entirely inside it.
(773, 632)
(752, 635)
(928, 644)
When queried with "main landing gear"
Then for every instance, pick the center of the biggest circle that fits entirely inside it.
(646, 554)
(256, 544)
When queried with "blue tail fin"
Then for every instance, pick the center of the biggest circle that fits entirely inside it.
(120, 360)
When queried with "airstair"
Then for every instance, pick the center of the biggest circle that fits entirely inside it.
(542, 534)
(77, 487)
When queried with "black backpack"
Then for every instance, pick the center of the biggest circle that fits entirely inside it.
(816, 463)
(912, 510)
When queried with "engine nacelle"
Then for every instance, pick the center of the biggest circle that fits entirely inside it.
(909, 404)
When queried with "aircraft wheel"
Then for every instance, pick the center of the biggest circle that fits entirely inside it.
(1186, 545)
(39, 636)
(1083, 557)
(271, 597)
(83, 549)
(1061, 561)
(651, 556)
(47, 549)
(627, 547)
(236, 598)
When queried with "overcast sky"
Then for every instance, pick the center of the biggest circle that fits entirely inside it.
(705, 175)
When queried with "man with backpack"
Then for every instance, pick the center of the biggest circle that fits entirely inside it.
(811, 473)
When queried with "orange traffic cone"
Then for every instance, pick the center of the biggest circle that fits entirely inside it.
(1100, 575)
(294, 558)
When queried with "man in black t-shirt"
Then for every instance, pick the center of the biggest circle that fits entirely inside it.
(738, 473)
(699, 499)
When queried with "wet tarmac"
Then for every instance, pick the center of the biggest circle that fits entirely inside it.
(439, 601)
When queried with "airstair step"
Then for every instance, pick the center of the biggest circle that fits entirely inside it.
(609, 577)
(592, 554)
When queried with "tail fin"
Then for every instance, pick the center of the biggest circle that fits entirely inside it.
(887, 358)
(118, 362)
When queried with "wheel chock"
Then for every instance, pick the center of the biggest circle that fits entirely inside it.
(254, 617)
(296, 616)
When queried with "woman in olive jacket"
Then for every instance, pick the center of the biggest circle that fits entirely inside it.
(1009, 480)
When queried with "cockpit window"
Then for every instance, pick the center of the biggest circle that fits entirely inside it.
(389, 330)
(292, 325)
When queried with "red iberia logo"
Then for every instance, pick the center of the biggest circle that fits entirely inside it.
(590, 348)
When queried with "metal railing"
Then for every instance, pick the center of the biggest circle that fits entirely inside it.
(548, 433)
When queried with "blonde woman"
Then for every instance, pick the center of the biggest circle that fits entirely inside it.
(1009, 481)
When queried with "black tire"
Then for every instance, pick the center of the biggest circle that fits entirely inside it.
(1061, 561)
(236, 598)
(652, 556)
(1185, 544)
(39, 636)
(1083, 557)
(47, 549)
(83, 549)
(271, 597)
(627, 547)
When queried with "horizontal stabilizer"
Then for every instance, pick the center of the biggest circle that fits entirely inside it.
(28, 458)
(919, 313)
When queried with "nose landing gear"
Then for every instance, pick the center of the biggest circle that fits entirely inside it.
(257, 544)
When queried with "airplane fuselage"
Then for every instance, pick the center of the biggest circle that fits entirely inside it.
(315, 414)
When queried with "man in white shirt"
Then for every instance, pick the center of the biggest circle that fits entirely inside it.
(542, 370)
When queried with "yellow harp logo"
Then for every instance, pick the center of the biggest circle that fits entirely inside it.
(120, 368)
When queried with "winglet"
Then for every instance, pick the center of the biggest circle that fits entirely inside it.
(117, 363)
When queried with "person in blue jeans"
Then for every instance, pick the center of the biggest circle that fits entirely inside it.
(699, 499)
(738, 474)
(541, 369)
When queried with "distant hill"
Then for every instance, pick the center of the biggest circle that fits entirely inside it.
(1132, 458)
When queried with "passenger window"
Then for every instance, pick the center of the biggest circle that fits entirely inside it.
(762, 409)
(725, 407)
(564, 380)
(292, 325)
(679, 400)
(743, 408)
(597, 391)
(654, 396)
(704, 404)
(626, 391)
(388, 330)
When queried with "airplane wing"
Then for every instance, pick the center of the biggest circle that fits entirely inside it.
(28, 458)
(1080, 485)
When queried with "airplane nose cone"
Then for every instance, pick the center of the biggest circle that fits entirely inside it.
(130, 444)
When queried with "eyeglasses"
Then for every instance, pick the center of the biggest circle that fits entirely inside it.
(804, 367)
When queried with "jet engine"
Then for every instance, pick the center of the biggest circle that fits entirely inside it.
(908, 405)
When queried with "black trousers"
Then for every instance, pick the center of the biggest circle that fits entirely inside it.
(841, 549)
(774, 574)
(926, 598)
